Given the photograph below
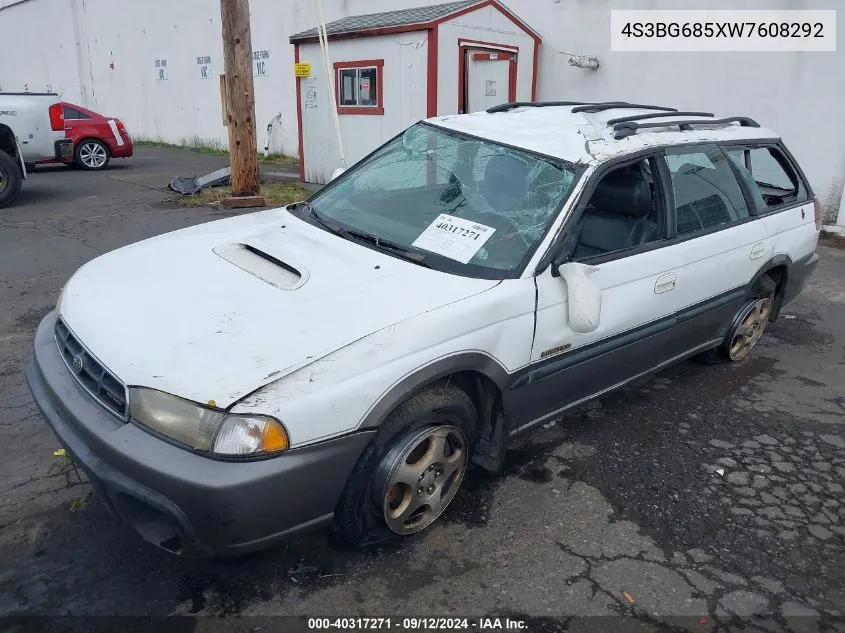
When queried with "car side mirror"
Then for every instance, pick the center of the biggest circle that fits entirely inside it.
(583, 296)
(337, 172)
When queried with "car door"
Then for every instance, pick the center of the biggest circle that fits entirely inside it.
(724, 242)
(782, 198)
(78, 125)
(638, 277)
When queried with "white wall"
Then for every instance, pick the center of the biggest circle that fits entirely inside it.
(28, 62)
(486, 25)
(404, 56)
(798, 94)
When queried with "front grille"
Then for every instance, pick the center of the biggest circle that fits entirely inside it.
(97, 380)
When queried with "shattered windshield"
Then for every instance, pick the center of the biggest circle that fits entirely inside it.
(462, 204)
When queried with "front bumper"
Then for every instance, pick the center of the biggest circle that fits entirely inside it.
(187, 503)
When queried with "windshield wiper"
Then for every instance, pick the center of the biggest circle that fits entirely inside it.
(393, 247)
(317, 216)
(361, 236)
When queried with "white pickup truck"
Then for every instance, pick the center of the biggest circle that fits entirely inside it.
(32, 128)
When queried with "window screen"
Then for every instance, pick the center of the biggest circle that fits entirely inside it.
(707, 193)
(358, 87)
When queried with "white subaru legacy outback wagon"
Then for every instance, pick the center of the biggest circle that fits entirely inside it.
(343, 360)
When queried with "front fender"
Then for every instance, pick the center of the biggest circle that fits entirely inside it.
(357, 386)
(429, 374)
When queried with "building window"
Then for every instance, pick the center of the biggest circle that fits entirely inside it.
(359, 86)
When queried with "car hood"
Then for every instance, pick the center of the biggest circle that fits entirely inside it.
(215, 311)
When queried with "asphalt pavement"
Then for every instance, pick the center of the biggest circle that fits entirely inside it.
(705, 498)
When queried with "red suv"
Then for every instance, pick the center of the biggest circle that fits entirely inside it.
(96, 139)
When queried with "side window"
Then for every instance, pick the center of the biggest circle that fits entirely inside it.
(624, 212)
(707, 193)
(771, 178)
(74, 114)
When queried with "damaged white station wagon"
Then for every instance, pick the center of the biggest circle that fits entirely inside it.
(343, 360)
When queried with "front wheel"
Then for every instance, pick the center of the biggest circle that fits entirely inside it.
(92, 155)
(11, 179)
(411, 470)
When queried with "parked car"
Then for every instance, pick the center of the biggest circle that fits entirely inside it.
(30, 130)
(96, 138)
(343, 360)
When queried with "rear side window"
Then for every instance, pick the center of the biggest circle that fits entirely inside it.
(771, 178)
(707, 193)
(73, 114)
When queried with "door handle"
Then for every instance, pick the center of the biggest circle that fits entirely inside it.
(757, 250)
(665, 283)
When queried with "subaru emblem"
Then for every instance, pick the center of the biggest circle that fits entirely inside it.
(77, 363)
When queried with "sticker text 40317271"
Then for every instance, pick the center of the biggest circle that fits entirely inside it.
(453, 237)
(454, 228)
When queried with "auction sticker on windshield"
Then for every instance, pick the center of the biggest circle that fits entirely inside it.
(453, 237)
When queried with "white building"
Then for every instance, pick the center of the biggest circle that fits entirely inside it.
(393, 69)
(144, 61)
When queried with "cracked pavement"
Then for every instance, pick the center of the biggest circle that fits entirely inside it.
(706, 498)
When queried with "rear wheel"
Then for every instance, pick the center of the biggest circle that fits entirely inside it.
(92, 155)
(748, 329)
(411, 470)
(11, 179)
(748, 325)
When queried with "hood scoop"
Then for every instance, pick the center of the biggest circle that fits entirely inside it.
(255, 260)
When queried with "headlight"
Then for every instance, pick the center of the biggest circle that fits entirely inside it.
(205, 428)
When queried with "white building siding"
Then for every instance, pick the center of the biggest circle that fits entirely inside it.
(182, 106)
(799, 95)
(30, 63)
(485, 25)
(404, 99)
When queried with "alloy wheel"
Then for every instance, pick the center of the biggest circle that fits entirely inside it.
(422, 476)
(93, 155)
(749, 328)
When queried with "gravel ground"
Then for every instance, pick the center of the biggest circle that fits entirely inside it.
(705, 498)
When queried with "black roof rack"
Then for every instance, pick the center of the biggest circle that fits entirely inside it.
(657, 115)
(504, 107)
(629, 128)
(580, 106)
(592, 108)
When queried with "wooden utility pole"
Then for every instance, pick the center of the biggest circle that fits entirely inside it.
(240, 104)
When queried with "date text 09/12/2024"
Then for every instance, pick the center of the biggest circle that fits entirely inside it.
(417, 624)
